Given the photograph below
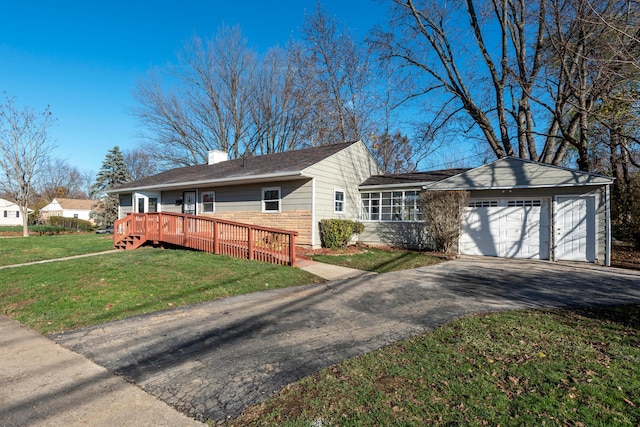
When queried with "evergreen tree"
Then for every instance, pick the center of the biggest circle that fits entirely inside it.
(112, 174)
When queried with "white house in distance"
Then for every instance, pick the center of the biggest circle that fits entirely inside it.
(67, 208)
(10, 213)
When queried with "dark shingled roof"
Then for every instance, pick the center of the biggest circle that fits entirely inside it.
(269, 164)
(413, 178)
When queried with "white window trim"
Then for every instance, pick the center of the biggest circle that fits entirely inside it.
(344, 201)
(381, 206)
(202, 194)
(262, 191)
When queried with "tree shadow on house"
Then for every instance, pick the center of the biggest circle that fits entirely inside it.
(405, 235)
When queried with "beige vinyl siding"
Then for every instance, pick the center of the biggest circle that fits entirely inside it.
(125, 202)
(511, 172)
(410, 235)
(168, 201)
(344, 170)
(295, 195)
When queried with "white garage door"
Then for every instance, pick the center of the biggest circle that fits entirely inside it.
(512, 228)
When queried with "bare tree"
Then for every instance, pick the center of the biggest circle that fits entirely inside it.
(208, 105)
(526, 78)
(278, 115)
(139, 163)
(60, 179)
(334, 80)
(24, 146)
(393, 153)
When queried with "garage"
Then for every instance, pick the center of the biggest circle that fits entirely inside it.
(511, 228)
(523, 209)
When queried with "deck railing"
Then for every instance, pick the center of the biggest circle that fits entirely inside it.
(210, 235)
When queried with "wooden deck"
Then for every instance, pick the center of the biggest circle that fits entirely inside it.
(206, 234)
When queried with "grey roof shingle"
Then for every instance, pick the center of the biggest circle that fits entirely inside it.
(269, 164)
(415, 178)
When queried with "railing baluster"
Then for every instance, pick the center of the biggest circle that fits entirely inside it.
(211, 235)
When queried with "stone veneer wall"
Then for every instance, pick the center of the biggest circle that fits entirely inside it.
(299, 221)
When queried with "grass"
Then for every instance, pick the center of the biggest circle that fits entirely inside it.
(70, 294)
(380, 260)
(18, 250)
(579, 368)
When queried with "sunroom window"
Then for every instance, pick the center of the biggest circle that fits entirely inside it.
(399, 205)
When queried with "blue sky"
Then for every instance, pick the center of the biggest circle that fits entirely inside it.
(83, 58)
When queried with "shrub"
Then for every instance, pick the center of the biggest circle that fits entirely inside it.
(337, 233)
(71, 223)
(442, 212)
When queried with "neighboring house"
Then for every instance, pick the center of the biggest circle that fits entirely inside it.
(68, 208)
(517, 208)
(10, 213)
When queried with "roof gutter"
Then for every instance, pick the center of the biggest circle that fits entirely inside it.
(402, 185)
(516, 187)
(217, 182)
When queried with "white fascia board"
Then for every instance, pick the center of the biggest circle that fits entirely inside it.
(216, 182)
(398, 186)
(517, 187)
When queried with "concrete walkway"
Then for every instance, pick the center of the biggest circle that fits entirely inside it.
(44, 384)
(44, 261)
(329, 271)
(211, 360)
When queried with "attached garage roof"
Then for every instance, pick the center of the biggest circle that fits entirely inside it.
(410, 179)
(513, 172)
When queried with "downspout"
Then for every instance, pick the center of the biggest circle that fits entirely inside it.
(607, 215)
(313, 213)
(554, 227)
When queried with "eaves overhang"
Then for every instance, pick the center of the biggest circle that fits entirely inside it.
(392, 186)
(219, 182)
(510, 187)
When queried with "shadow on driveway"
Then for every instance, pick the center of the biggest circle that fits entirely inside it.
(211, 360)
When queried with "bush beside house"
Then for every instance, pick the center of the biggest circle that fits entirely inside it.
(337, 233)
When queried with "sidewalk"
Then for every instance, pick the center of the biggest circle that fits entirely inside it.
(329, 271)
(44, 384)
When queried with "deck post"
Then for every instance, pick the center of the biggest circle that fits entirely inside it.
(216, 240)
(185, 224)
(250, 241)
(292, 250)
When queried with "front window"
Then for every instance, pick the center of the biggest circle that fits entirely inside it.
(271, 199)
(338, 201)
(399, 205)
(209, 202)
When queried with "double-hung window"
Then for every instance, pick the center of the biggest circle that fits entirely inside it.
(208, 202)
(271, 199)
(338, 201)
(399, 205)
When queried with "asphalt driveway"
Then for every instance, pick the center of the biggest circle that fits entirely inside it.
(212, 360)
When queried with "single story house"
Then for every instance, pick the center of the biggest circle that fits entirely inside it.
(517, 208)
(10, 213)
(68, 208)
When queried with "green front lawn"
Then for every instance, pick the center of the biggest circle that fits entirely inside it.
(380, 260)
(529, 368)
(70, 294)
(19, 250)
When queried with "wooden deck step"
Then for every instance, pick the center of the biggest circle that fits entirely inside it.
(132, 241)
